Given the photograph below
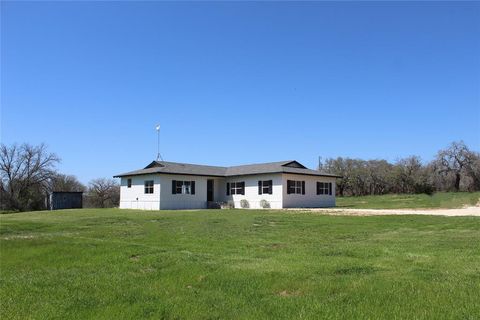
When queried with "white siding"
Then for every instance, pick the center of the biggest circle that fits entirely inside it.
(310, 199)
(251, 191)
(184, 201)
(135, 197)
(162, 198)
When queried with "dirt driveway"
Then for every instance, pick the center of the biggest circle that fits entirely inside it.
(468, 211)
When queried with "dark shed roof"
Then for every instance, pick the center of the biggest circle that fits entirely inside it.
(159, 167)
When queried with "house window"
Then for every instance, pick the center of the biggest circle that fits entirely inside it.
(324, 188)
(129, 183)
(183, 187)
(265, 187)
(149, 186)
(295, 187)
(235, 188)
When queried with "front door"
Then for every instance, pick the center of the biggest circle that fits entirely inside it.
(209, 190)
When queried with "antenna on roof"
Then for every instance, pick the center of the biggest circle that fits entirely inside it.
(159, 156)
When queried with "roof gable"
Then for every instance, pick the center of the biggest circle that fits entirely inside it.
(154, 164)
(294, 164)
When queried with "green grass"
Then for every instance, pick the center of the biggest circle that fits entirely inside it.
(237, 264)
(419, 201)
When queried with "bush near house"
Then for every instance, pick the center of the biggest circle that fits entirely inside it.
(264, 204)
(244, 204)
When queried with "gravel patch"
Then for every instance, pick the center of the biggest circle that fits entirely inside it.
(468, 211)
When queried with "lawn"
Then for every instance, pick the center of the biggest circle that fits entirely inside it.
(404, 201)
(237, 264)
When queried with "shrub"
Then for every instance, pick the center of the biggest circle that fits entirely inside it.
(244, 203)
(264, 204)
(423, 188)
(227, 205)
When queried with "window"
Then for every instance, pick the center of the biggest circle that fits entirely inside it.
(297, 187)
(265, 187)
(129, 183)
(183, 187)
(149, 186)
(235, 188)
(324, 188)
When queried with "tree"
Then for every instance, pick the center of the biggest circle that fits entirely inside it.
(472, 170)
(67, 183)
(411, 176)
(337, 166)
(454, 168)
(379, 172)
(104, 193)
(24, 173)
(454, 160)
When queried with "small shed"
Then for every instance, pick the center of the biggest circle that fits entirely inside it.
(66, 200)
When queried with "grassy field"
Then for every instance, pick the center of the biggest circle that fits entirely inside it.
(401, 201)
(237, 264)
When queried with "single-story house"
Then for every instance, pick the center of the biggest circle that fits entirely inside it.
(171, 185)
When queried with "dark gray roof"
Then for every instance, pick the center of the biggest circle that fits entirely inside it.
(159, 167)
(178, 168)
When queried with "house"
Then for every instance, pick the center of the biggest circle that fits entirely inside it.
(170, 185)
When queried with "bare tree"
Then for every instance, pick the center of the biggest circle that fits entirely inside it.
(64, 182)
(24, 173)
(472, 169)
(454, 160)
(455, 168)
(379, 176)
(104, 193)
(408, 175)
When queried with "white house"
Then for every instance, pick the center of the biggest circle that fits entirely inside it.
(170, 185)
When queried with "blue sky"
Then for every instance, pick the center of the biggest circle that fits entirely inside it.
(233, 83)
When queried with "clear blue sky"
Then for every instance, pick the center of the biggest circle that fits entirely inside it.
(233, 83)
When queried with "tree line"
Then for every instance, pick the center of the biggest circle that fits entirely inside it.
(28, 174)
(455, 168)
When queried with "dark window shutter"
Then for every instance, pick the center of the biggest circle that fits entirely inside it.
(259, 187)
(303, 187)
(289, 182)
(243, 188)
(192, 184)
(270, 187)
(318, 187)
(174, 186)
(228, 188)
(330, 188)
